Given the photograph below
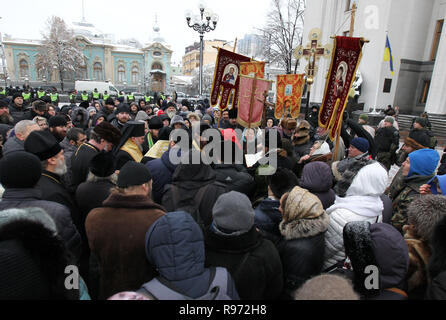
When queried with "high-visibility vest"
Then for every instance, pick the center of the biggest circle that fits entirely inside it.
(147, 98)
(84, 97)
(72, 97)
(130, 97)
(26, 96)
(54, 97)
(120, 95)
(40, 94)
(3, 92)
(106, 96)
(96, 95)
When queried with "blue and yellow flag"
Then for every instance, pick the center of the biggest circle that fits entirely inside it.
(388, 56)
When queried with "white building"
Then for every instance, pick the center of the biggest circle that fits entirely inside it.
(418, 46)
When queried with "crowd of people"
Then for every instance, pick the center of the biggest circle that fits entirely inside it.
(95, 186)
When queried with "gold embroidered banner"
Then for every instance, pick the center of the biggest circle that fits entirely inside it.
(289, 95)
(346, 57)
(253, 68)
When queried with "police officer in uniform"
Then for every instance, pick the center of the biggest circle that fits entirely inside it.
(85, 96)
(54, 97)
(96, 95)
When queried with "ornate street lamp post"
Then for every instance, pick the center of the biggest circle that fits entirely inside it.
(202, 25)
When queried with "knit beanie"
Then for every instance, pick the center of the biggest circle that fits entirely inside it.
(364, 117)
(361, 144)
(423, 162)
(141, 116)
(57, 121)
(133, 174)
(327, 287)
(177, 119)
(421, 121)
(109, 101)
(233, 213)
(102, 164)
(417, 139)
(90, 109)
(43, 144)
(390, 120)
(16, 95)
(20, 170)
(123, 108)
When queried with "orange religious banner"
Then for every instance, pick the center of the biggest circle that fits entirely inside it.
(256, 68)
(251, 98)
(289, 95)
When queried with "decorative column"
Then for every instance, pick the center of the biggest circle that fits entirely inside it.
(436, 102)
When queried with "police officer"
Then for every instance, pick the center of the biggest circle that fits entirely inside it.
(85, 96)
(147, 98)
(54, 97)
(40, 93)
(96, 95)
(130, 98)
(105, 96)
(2, 93)
(72, 96)
(26, 96)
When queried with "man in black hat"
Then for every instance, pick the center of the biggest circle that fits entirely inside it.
(122, 116)
(58, 127)
(130, 147)
(19, 174)
(5, 117)
(117, 230)
(17, 109)
(47, 149)
(108, 109)
(102, 137)
(155, 124)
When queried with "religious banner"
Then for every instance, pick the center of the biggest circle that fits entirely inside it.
(226, 78)
(347, 54)
(251, 101)
(289, 95)
(254, 68)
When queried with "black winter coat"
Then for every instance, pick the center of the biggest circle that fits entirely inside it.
(235, 177)
(437, 288)
(268, 216)
(189, 179)
(29, 198)
(253, 262)
(317, 178)
(80, 161)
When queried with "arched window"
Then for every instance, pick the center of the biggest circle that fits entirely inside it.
(24, 68)
(157, 66)
(121, 73)
(82, 72)
(97, 71)
(135, 75)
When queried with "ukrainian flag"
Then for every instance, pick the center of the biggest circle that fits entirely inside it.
(388, 55)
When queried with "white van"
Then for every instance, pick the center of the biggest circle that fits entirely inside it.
(102, 86)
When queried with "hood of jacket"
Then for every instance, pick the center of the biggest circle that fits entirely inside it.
(245, 242)
(379, 245)
(316, 177)
(175, 246)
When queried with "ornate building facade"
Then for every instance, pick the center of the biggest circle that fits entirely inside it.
(141, 69)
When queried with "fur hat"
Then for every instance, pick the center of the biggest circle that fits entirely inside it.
(303, 215)
(193, 115)
(289, 124)
(417, 139)
(327, 287)
(108, 132)
(33, 257)
(282, 181)
(425, 212)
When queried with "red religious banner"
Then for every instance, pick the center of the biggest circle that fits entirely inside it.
(253, 68)
(226, 78)
(289, 94)
(251, 98)
(347, 54)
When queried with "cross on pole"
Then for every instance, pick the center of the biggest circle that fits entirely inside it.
(312, 52)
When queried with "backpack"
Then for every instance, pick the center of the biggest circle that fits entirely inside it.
(161, 289)
(192, 208)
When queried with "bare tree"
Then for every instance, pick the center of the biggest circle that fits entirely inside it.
(283, 32)
(59, 50)
(208, 77)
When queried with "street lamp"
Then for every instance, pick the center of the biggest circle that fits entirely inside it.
(202, 25)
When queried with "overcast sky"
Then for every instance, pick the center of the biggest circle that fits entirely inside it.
(135, 18)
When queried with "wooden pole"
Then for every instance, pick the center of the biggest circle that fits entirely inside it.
(352, 21)
(235, 45)
(265, 94)
(251, 103)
